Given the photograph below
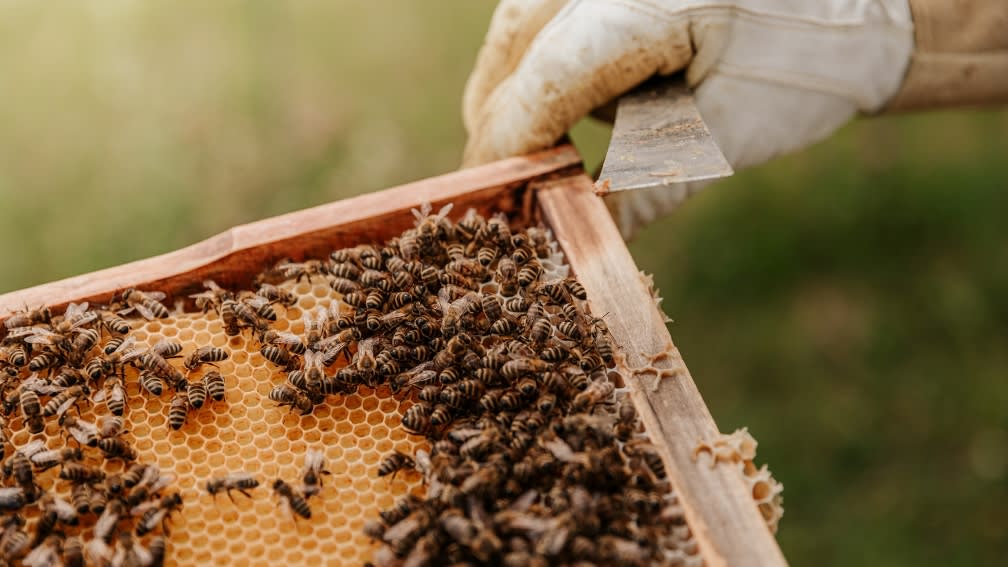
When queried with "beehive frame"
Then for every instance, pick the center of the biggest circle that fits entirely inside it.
(551, 187)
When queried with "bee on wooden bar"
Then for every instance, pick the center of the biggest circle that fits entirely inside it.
(212, 298)
(29, 317)
(277, 295)
(299, 270)
(242, 482)
(146, 303)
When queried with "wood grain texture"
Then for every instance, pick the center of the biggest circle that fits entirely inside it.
(719, 509)
(234, 257)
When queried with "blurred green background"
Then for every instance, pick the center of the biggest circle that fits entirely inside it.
(849, 304)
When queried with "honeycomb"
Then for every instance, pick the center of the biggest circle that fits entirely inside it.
(248, 432)
(739, 449)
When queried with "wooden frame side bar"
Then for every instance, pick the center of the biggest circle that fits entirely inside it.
(233, 257)
(719, 508)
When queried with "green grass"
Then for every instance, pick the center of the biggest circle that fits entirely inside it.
(849, 304)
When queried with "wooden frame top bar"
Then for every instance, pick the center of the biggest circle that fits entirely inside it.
(232, 258)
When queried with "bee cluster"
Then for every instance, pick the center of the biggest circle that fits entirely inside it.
(534, 455)
(60, 506)
(533, 459)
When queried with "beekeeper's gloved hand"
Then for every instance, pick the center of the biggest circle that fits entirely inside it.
(771, 76)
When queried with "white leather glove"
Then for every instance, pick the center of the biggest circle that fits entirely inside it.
(770, 76)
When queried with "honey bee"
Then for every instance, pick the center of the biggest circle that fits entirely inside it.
(110, 425)
(204, 355)
(43, 360)
(14, 355)
(115, 395)
(626, 422)
(31, 410)
(73, 551)
(84, 341)
(84, 432)
(154, 517)
(212, 298)
(314, 470)
(299, 270)
(276, 295)
(114, 324)
(440, 415)
(153, 362)
(503, 327)
(281, 357)
(157, 547)
(491, 307)
(81, 474)
(147, 304)
(344, 285)
(29, 317)
(12, 498)
(515, 369)
(151, 382)
(529, 274)
(346, 270)
(541, 331)
(50, 458)
(215, 385)
(178, 410)
(117, 448)
(197, 394)
(595, 393)
(261, 306)
(295, 501)
(242, 482)
(285, 340)
(395, 462)
(61, 402)
(285, 395)
(486, 255)
(417, 418)
(569, 329)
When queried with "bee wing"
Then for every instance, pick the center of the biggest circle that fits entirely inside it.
(155, 295)
(84, 319)
(422, 377)
(394, 317)
(163, 346)
(420, 215)
(75, 309)
(99, 396)
(211, 285)
(140, 509)
(33, 447)
(289, 339)
(444, 211)
(41, 336)
(314, 460)
(144, 311)
(65, 406)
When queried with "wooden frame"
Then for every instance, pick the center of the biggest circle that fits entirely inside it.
(548, 186)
